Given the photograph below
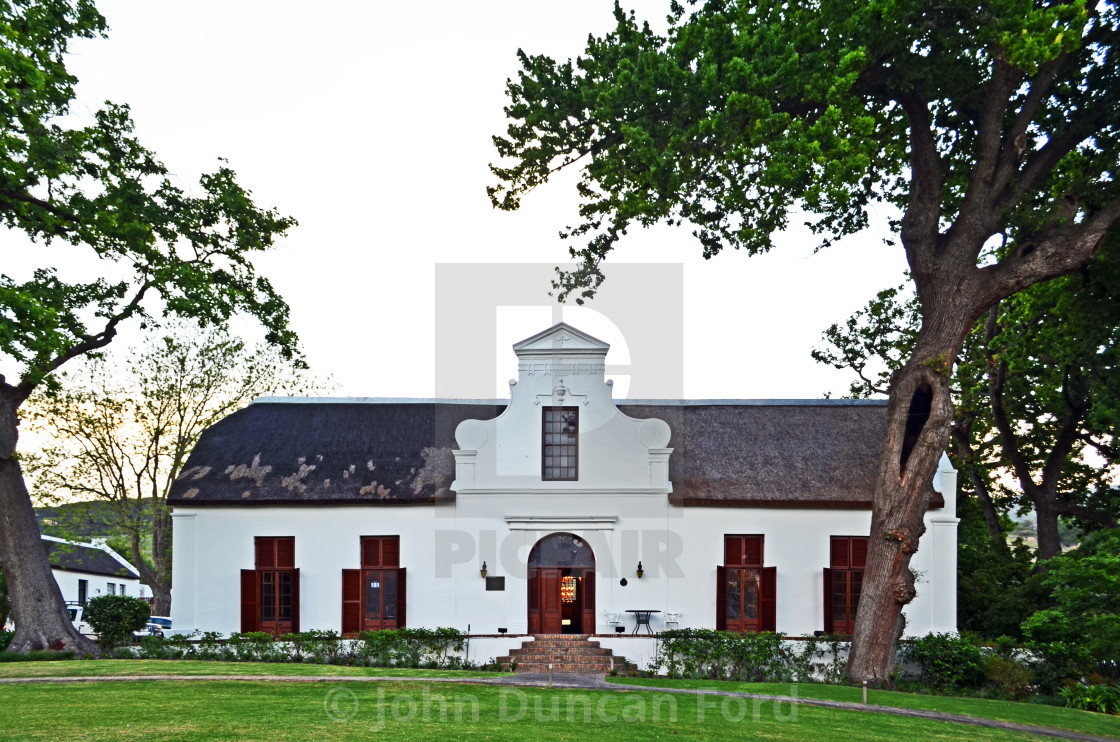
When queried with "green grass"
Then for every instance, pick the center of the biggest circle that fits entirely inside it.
(337, 710)
(104, 668)
(1021, 713)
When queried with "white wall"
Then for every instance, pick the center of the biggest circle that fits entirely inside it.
(443, 547)
(68, 583)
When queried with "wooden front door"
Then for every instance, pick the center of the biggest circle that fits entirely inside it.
(551, 612)
(561, 586)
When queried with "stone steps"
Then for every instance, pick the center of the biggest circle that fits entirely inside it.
(565, 652)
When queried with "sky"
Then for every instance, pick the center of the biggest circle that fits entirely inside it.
(371, 124)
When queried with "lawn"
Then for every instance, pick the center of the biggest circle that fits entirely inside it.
(103, 668)
(338, 710)
(1021, 713)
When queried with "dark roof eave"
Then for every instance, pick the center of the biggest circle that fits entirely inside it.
(184, 503)
(123, 573)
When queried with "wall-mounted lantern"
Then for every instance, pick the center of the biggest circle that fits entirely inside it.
(640, 571)
(483, 570)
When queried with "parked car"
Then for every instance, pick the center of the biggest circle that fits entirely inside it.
(151, 629)
(157, 626)
(163, 622)
(77, 617)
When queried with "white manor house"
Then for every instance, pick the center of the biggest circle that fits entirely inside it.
(557, 511)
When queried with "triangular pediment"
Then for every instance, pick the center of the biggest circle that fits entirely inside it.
(561, 339)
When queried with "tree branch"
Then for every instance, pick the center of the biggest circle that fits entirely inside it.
(89, 343)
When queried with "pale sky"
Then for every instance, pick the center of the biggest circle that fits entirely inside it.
(371, 124)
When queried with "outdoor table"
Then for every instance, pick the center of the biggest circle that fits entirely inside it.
(641, 618)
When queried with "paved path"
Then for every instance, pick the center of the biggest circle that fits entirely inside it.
(588, 682)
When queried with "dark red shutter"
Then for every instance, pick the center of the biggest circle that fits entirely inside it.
(753, 551)
(587, 600)
(351, 601)
(534, 600)
(721, 598)
(266, 553)
(285, 553)
(733, 551)
(768, 599)
(390, 552)
(827, 600)
(249, 612)
(839, 559)
(295, 601)
(371, 552)
(402, 597)
(859, 552)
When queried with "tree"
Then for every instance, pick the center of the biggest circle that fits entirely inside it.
(160, 250)
(1036, 393)
(976, 121)
(1085, 588)
(121, 431)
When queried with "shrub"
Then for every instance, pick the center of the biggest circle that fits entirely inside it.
(115, 617)
(721, 655)
(1084, 607)
(5, 639)
(1007, 676)
(1102, 698)
(1056, 664)
(947, 662)
(818, 659)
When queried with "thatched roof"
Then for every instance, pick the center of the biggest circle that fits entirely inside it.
(328, 452)
(76, 557)
(821, 453)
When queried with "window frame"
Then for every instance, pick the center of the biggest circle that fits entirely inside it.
(743, 557)
(379, 557)
(559, 449)
(847, 556)
(275, 571)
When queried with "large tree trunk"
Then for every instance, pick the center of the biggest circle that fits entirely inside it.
(37, 606)
(1046, 523)
(919, 419)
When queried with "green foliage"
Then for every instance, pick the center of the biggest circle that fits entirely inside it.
(1056, 664)
(1097, 697)
(947, 662)
(115, 617)
(757, 657)
(5, 639)
(1009, 677)
(1085, 590)
(162, 248)
(996, 589)
(743, 114)
(395, 648)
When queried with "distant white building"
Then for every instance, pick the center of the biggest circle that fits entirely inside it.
(84, 571)
(557, 511)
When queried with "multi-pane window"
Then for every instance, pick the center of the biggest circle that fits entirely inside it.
(110, 588)
(83, 591)
(843, 582)
(373, 597)
(270, 593)
(560, 460)
(745, 591)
